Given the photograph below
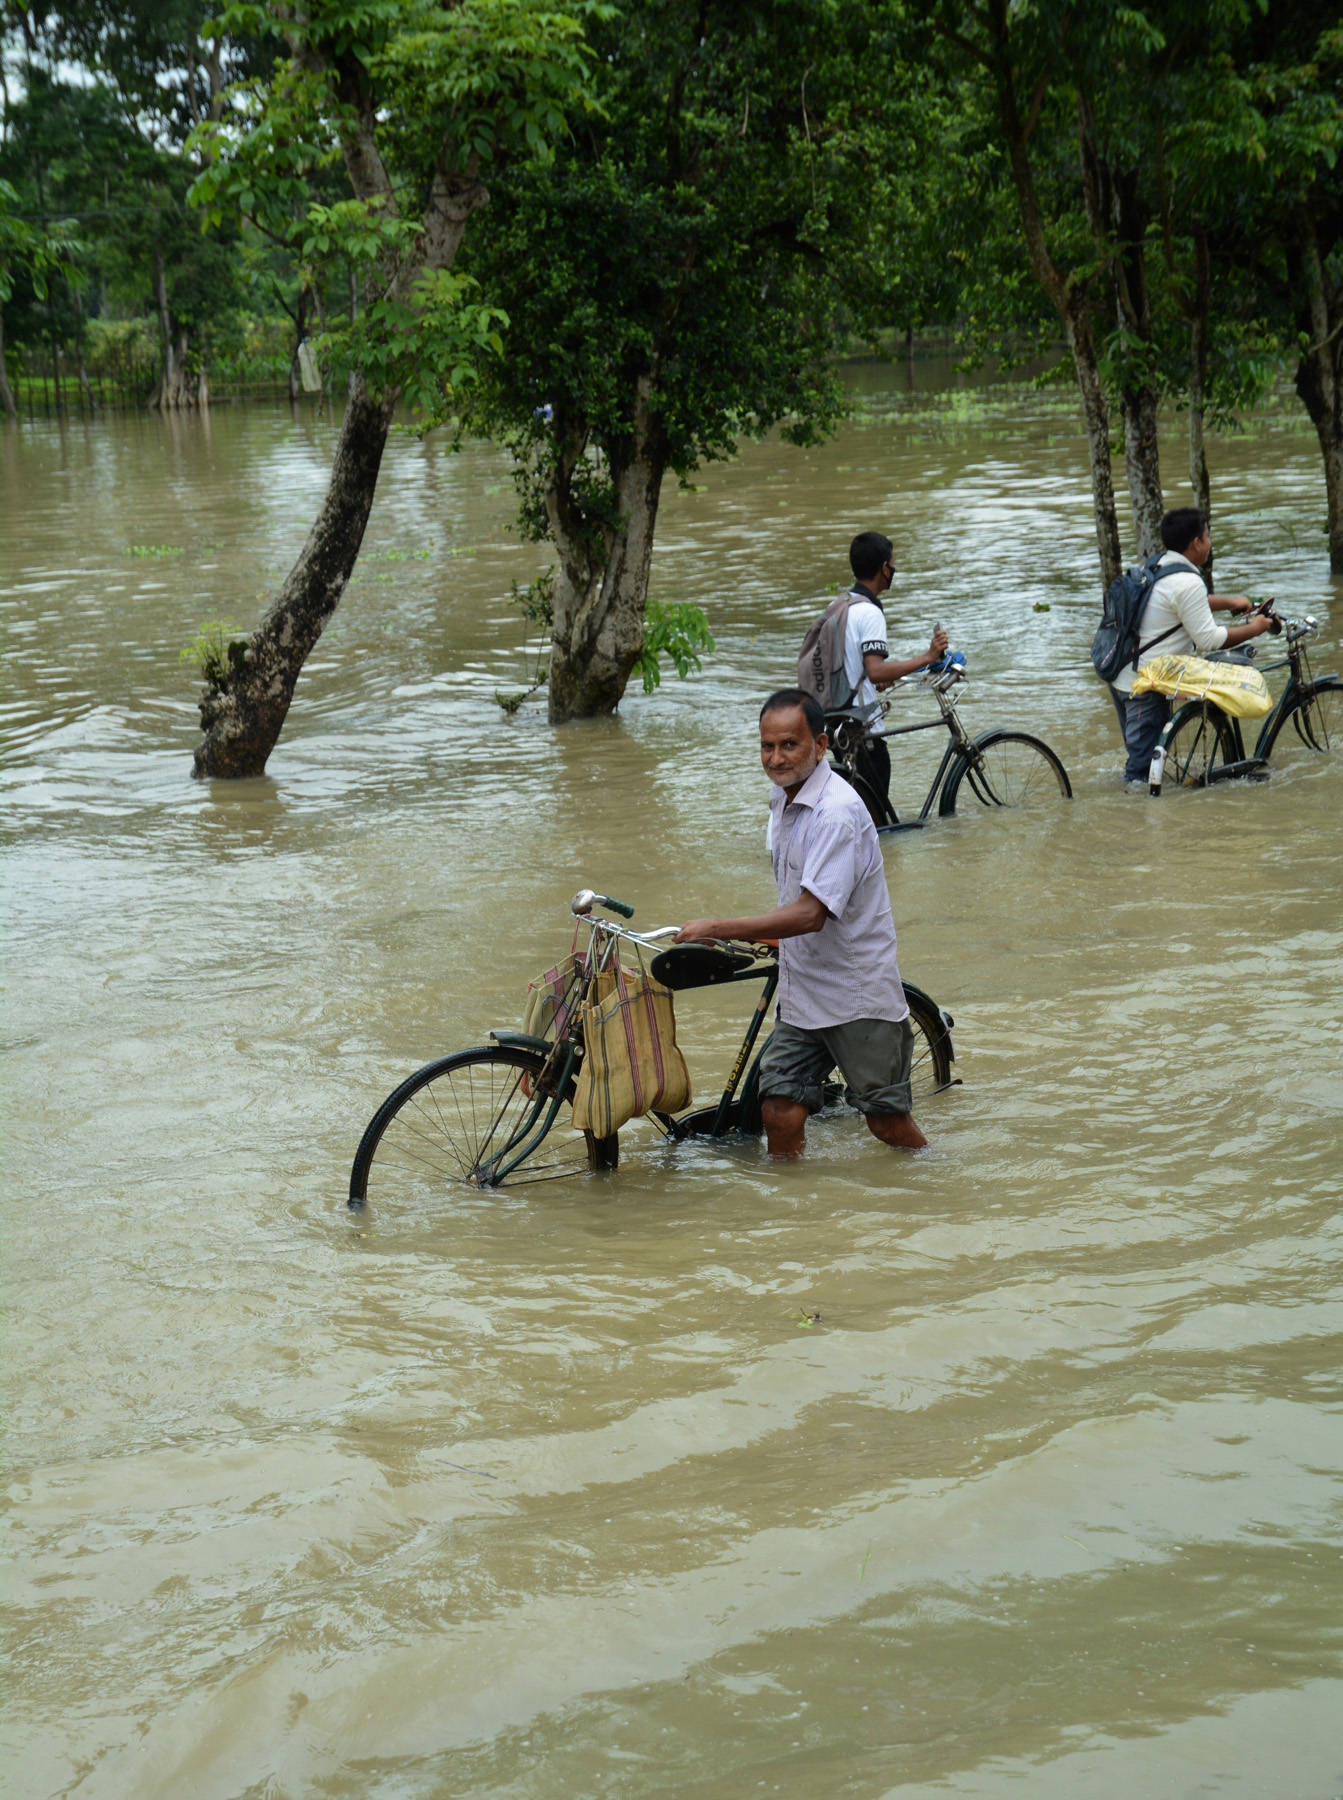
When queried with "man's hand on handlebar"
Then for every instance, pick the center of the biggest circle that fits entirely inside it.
(698, 929)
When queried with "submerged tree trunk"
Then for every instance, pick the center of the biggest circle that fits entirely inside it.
(244, 706)
(599, 599)
(1137, 397)
(7, 401)
(1142, 466)
(1198, 373)
(1068, 297)
(245, 702)
(1319, 374)
(81, 370)
(166, 392)
(1096, 417)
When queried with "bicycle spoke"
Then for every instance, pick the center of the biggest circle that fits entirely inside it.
(459, 1120)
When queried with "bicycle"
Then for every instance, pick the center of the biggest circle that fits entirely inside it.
(1201, 744)
(998, 768)
(500, 1114)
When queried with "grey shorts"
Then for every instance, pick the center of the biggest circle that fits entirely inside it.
(873, 1055)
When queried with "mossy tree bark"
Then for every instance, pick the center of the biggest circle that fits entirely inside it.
(434, 96)
(1319, 373)
(8, 404)
(1068, 294)
(246, 701)
(243, 710)
(601, 587)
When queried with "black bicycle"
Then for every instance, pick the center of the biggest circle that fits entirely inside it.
(998, 768)
(1201, 744)
(501, 1114)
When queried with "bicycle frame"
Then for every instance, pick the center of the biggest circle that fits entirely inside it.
(485, 1144)
(959, 743)
(1299, 680)
(1295, 661)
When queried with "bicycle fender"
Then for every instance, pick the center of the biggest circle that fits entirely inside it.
(520, 1040)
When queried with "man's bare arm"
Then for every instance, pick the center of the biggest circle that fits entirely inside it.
(801, 916)
(881, 671)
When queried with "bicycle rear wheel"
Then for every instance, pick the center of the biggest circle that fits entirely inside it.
(930, 1065)
(458, 1121)
(1199, 744)
(1011, 769)
(880, 811)
(1316, 724)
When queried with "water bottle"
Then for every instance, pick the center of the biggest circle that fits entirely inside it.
(1157, 769)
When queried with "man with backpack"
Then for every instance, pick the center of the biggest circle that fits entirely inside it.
(848, 676)
(1175, 619)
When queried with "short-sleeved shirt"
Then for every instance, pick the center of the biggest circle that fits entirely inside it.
(865, 632)
(1180, 601)
(824, 841)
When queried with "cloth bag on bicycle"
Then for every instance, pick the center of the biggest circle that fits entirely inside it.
(631, 1061)
(550, 998)
(1239, 690)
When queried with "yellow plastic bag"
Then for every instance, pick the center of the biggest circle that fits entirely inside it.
(1237, 688)
(631, 1061)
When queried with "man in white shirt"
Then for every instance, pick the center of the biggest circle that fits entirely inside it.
(868, 664)
(1177, 621)
(840, 997)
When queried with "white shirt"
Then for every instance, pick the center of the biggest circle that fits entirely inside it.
(866, 631)
(825, 842)
(1179, 600)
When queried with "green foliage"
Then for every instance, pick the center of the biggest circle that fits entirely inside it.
(420, 104)
(214, 652)
(535, 603)
(673, 276)
(677, 632)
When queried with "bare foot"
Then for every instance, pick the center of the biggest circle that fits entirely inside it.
(896, 1129)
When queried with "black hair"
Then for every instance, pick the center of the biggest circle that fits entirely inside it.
(1181, 527)
(785, 698)
(868, 551)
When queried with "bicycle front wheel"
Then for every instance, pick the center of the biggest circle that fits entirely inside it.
(1199, 744)
(1010, 768)
(1313, 726)
(460, 1121)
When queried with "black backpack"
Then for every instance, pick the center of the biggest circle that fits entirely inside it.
(1115, 646)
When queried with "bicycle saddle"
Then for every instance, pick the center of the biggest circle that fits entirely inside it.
(699, 964)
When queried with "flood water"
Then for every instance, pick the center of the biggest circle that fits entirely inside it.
(563, 1491)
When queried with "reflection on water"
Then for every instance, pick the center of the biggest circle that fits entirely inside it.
(562, 1491)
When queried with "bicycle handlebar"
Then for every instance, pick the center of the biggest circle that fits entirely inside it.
(584, 901)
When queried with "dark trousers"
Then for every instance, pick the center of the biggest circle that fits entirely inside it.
(1142, 719)
(873, 763)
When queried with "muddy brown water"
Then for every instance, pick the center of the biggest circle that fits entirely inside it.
(563, 1492)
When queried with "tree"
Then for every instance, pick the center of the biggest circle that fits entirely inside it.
(1173, 169)
(30, 250)
(671, 283)
(110, 153)
(1016, 55)
(420, 103)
